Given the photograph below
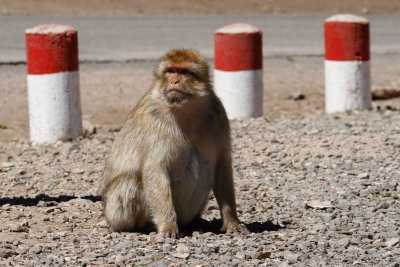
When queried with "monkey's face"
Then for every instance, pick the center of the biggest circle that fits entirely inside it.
(182, 77)
(179, 85)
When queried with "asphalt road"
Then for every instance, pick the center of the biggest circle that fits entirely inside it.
(108, 38)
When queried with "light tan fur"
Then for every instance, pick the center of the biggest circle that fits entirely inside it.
(170, 153)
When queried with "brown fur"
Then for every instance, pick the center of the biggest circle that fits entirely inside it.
(172, 150)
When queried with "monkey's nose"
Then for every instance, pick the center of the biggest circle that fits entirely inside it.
(175, 81)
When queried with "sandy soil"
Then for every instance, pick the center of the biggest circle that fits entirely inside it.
(137, 7)
(109, 91)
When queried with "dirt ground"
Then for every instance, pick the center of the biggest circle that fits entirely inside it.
(138, 7)
(110, 90)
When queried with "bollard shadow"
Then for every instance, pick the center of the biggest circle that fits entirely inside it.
(48, 200)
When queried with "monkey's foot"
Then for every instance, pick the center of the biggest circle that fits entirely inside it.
(235, 228)
(170, 232)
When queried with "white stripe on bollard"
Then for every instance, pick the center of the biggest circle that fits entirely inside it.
(54, 106)
(231, 87)
(347, 85)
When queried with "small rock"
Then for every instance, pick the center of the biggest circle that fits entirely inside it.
(181, 255)
(385, 94)
(36, 249)
(6, 166)
(182, 248)
(316, 204)
(385, 205)
(114, 129)
(363, 175)
(6, 207)
(78, 171)
(298, 96)
(327, 217)
(319, 227)
(5, 253)
(42, 203)
(119, 259)
(291, 257)
(21, 250)
(88, 128)
(23, 227)
(61, 234)
(262, 255)
(214, 247)
(344, 242)
(102, 224)
(240, 255)
(49, 210)
(392, 242)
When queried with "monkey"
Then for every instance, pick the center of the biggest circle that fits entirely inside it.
(172, 151)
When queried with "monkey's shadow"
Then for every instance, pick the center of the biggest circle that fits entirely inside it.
(214, 226)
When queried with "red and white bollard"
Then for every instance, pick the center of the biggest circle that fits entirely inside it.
(238, 79)
(347, 68)
(53, 83)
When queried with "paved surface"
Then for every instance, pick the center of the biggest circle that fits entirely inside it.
(108, 38)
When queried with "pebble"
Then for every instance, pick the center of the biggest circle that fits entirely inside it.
(392, 242)
(262, 255)
(298, 96)
(36, 249)
(6, 253)
(313, 189)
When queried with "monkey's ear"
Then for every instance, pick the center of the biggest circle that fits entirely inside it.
(160, 69)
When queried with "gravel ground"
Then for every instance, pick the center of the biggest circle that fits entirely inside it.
(313, 189)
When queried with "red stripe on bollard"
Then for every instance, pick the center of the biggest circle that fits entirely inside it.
(346, 41)
(235, 51)
(51, 48)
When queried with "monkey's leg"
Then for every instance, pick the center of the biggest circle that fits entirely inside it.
(124, 205)
(225, 194)
(159, 196)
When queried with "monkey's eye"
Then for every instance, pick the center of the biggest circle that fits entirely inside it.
(170, 70)
(183, 71)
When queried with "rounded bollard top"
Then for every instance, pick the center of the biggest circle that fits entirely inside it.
(238, 28)
(50, 29)
(350, 18)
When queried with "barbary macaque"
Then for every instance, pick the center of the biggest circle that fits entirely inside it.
(172, 150)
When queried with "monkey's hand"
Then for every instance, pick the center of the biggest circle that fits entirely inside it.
(235, 227)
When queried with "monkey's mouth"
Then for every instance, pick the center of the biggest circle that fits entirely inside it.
(175, 96)
(175, 92)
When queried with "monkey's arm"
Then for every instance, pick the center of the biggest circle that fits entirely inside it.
(225, 194)
(123, 156)
(158, 194)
